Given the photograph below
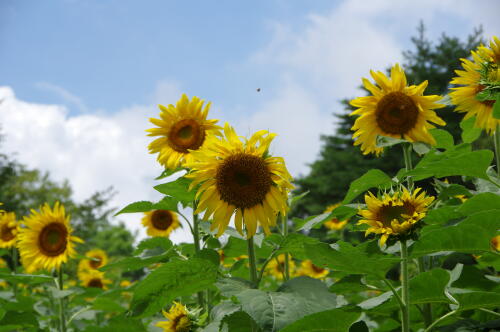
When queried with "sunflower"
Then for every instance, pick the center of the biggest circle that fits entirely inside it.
(160, 223)
(307, 268)
(96, 258)
(178, 319)
(125, 283)
(394, 110)
(495, 243)
(276, 266)
(8, 230)
(395, 214)
(46, 241)
(240, 178)
(334, 223)
(94, 279)
(484, 67)
(182, 128)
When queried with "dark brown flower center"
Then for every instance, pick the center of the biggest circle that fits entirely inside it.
(388, 213)
(243, 180)
(96, 262)
(317, 269)
(53, 239)
(6, 233)
(396, 113)
(96, 283)
(162, 219)
(186, 134)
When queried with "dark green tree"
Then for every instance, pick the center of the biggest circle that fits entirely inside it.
(340, 162)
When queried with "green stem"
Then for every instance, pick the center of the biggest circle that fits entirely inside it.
(494, 313)
(405, 312)
(496, 138)
(439, 320)
(427, 309)
(253, 262)
(263, 268)
(395, 293)
(407, 148)
(196, 240)
(13, 256)
(285, 233)
(62, 318)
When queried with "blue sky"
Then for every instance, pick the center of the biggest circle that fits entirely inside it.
(80, 78)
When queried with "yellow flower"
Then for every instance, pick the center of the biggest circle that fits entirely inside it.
(307, 268)
(394, 110)
(182, 128)
(495, 243)
(3, 264)
(334, 223)
(94, 278)
(178, 320)
(394, 214)
(276, 266)
(8, 230)
(240, 178)
(99, 259)
(125, 283)
(470, 79)
(46, 241)
(160, 223)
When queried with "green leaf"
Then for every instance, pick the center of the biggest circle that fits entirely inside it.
(27, 278)
(342, 213)
(474, 279)
(469, 132)
(496, 107)
(152, 243)
(421, 148)
(238, 321)
(105, 304)
(444, 140)
(136, 263)
(385, 141)
(476, 300)
(481, 202)
(167, 203)
(372, 178)
(141, 206)
(349, 284)
(442, 215)
(335, 320)
(169, 172)
(178, 189)
(231, 286)
(171, 280)
(366, 258)
(452, 163)
(429, 287)
(294, 245)
(375, 301)
(210, 255)
(469, 236)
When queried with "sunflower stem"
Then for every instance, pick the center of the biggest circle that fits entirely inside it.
(62, 318)
(496, 138)
(252, 261)
(405, 310)
(13, 256)
(285, 234)
(407, 148)
(196, 240)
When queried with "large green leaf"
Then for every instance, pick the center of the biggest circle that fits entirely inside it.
(444, 140)
(152, 243)
(167, 203)
(137, 262)
(474, 279)
(476, 300)
(429, 287)
(454, 162)
(481, 202)
(171, 280)
(26, 278)
(469, 236)
(442, 215)
(469, 132)
(294, 244)
(496, 107)
(365, 258)
(295, 299)
(349, 284)
(371, 179)
(179, 189)
(335, 320)
(238, 321)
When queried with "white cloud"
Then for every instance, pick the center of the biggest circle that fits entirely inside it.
(93, 151)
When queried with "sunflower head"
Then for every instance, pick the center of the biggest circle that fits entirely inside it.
(46, 241)
(394, 215)
(240, 177)
(160, 223)
(94, 279)
(495, 243)
(479, 82)
(276, 267)
(334, 223)
(96, 258)
(307, 268)
(394, 110)
(181, 129)
(178, 319)
(8, 230)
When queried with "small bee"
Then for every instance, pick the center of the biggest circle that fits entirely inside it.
(258, 89)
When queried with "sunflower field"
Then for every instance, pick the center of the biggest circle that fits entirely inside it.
(427, 259)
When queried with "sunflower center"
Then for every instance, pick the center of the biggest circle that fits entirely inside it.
(6, 233)
(388, 213)
(161, 219)
(243, 180)
(53, 239)
(396, 113)
(281, 267)
(96, 283)
(317, 269)
(186, 134)
(95, 262)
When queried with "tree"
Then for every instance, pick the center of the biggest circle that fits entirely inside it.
(340, 162)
